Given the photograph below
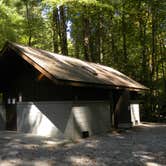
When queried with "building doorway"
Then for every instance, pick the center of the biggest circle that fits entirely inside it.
(11, 115)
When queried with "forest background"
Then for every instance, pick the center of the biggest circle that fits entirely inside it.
(128, 35)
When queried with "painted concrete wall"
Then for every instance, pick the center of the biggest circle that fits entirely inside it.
(91, 117)
(63, 119)
(2, 118)
(135, 114)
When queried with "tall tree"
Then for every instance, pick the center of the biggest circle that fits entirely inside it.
(63, 29)
(29, 18)
(125, 56)
(86, 34)
(56, 29)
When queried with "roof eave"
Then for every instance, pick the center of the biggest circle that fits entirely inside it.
(65, 82)
(104, 86)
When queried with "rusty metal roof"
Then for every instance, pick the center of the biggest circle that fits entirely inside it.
(64, 68)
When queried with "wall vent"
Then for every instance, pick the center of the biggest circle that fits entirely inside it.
(85, 134)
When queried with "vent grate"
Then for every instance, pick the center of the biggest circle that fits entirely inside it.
(85, 134)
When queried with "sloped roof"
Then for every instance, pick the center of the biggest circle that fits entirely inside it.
(64, 68)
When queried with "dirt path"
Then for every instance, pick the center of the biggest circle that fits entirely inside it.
(141, 146)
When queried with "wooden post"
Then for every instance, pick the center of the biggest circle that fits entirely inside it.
(124, 116)
(111, 103)
(121, 117)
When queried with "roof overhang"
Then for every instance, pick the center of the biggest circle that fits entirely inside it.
(15, 47)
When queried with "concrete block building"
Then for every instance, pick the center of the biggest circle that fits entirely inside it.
(54, 95)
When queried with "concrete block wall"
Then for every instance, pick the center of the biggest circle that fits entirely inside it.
(91, 117)
(43, 118)
(63, 119)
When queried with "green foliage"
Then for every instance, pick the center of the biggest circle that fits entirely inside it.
(10, 20)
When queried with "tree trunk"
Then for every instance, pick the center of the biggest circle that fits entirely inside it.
(142, 34)
(63, 28)
(77, 49)
(114, 56)
(29, 23)
(153, 45)
(55, 29)
(164, 76)
(153, 55)
(125, 57)
(98, 38)
(163, 64)
(86, 35)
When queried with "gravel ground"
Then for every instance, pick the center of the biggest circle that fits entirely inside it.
(142, 146)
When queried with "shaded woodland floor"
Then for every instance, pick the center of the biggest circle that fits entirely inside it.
(142, 146)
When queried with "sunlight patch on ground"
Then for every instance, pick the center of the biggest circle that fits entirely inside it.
(50, 142)
(147, 157)
(17, 162)
(10, 162)
(42, 163)
(152, 125)
(152, 164)
(120, 137)
(79, 160)
(90, 145)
